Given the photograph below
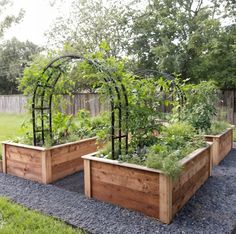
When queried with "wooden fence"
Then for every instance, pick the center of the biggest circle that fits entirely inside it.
(16, 104)
(13, 104)
(227, 106)
(90, 101)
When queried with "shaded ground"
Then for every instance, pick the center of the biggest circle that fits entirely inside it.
(211, 210)
(74, 183)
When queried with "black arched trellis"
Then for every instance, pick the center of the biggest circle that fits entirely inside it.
(42, 101)
(146, 73)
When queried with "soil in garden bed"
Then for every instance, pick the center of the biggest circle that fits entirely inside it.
(74, 183)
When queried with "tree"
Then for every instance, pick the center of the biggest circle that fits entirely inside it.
(174, 35)
(14, 56)
(7, 20)
(219, 62)
(90, 23)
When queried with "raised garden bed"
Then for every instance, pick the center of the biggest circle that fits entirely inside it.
(144, 189)
(46, 165)
(0, 165)
(222, 144)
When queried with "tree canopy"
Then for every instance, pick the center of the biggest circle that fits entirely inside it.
(14, 57)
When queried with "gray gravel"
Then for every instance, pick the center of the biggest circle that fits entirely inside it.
(211, 210)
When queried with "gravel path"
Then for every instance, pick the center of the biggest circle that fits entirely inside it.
(211, 210)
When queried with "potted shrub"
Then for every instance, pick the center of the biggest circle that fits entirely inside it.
(156, 180)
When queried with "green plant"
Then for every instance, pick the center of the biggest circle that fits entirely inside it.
(200, 106)
(17, 219)
(234, 134)
(176, 142)
(68, 128)
(218, 127)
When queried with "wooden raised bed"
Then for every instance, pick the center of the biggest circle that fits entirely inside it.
(46, 165)
(144, 189)
(222, 144)
(0, 165)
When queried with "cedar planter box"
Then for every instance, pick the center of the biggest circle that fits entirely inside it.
(144, 189)
(222, 144)
(46, 165)
(0, 165)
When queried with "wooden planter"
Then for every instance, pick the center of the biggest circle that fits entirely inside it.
(222, 144)
(0, 165)
(144, 189)
(46, 165)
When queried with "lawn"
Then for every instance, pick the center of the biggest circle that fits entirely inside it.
(10, 125)
(17, 219)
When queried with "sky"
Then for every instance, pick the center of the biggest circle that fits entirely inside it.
(39, 15)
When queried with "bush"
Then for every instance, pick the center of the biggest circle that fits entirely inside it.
(177, 141)
(218, 127)
(200, 105)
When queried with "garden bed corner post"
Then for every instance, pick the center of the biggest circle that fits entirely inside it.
(46, 167)
(87, 178)
(165, 203)
(4, 161)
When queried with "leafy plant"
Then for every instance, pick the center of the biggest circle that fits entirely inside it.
(176, 142)
(218, 127)
(200, 105)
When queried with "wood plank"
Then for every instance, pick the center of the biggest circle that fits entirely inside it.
(87, 179)
(1, 166)
(211, 160)
(165, 199)
(194, 187)
(69, 156)
(81, 145)
(73, 143)
(216, 149)
(68, 168)
(31, 153)
(24, 166)
(123, 177)
(191, 168)
(92, 157)
(177, 192)
(46, 167)
(186, 191)
(24, 159)
(24, 174)
(4, 161)
(121, 170)
(127, 198)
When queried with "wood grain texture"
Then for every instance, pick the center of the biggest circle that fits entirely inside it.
(127, 187)
(148, 191)
(165, 199)
(222, 144)
(4, 162)
(1, 166)
(195, 173)
(23, 162)
(67, 160)
(46, 167)
(87, 178)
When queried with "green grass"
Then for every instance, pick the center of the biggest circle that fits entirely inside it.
(17, 219)
(10, 125)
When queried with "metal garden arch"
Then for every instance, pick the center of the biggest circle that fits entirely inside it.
(44, 91)
(150, 72)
